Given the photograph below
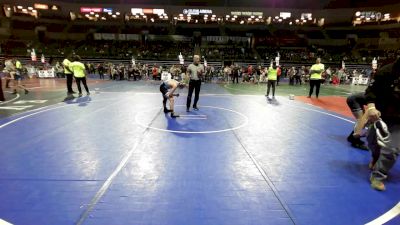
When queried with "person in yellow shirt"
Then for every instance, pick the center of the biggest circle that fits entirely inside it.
(272, 79)
(79, 71)
(316, 77)
(68, 74)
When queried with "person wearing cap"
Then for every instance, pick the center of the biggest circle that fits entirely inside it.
(316, 77)
(383, 109)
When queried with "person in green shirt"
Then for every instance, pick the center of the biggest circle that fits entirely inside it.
(316, 77)
(68, 74)
(79, 71)
(272, 79)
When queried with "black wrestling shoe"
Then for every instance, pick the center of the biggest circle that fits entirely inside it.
(167, 110)
(356, 142)
(174, 115)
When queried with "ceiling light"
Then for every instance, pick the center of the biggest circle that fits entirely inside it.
(118, 13)
(358, 13)
(91, 13)
(213, 16)
(114, 16)
(137, 16)
(297, 20)
(145, 16)
(249, 19)
(30, 8)
(276, 17)
(97, 15)
(260, 17)
(219, 19)
(252, 17)
(24, 10)
(103, 18)
(152, 20)
(87, 15)
(20, 7)
(181, 15)
(227, 16)
(290, 23)
(175, 18)
(242, 22)
(34, 11)
(110, 13)
(257, 19)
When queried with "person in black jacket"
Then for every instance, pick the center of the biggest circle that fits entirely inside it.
(383, 101)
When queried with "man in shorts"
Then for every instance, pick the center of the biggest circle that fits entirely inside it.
(167, 89)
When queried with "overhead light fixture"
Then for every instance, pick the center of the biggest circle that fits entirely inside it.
(233, 19)
(34, 11)
(297, 20)
(242, 22)
(137, 16)
(213, 16)
(87, 15)
(110, 13)
(152, 20)
(249, 19)
(257, 19)
(20, 7)
(118, 13)
(227, 16)
(290, 23)
(30, 8)
(276, 17)
(145, 16)
(91, 13)
(260, 17)
(97, 15)
(219, 19)
(24, 10)
(103, 18)
(175, 18)
(358, 13)
(180, 15)
(252, 17)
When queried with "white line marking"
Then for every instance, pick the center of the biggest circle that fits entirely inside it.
(322, 112)
(192, 118)
(193, 115)
(16, 97)
(49, 109)
(22, 107)
(107, 184)
(3, 222)
(193, 132)
(395, 211)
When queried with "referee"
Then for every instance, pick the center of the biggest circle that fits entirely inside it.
(195, 72)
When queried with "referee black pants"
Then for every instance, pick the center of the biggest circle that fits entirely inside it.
(193, 85)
